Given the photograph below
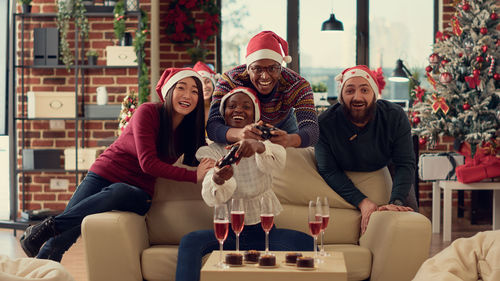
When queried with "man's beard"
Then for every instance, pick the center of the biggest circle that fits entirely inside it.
(360, 117)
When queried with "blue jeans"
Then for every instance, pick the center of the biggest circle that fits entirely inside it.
(94, 195)
(196, 244)
(289, 124)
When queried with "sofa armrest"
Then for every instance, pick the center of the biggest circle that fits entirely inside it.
(114, 242)
(399, 242)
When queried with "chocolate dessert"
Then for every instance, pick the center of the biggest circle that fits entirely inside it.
(252, 256)
(234, 259)
(267, 260)
(292, 257)
(305, 262)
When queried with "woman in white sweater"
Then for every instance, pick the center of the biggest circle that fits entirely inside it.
(249, 179)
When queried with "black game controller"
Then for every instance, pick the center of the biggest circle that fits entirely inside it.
(266, 131)
(230, 157)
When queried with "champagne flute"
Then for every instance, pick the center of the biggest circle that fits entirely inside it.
(325, 217)
(266, 218)
(221, 227)
(237, 219)
(315, 222)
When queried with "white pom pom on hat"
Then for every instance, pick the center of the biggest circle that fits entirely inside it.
(267, 45)
(249, 92)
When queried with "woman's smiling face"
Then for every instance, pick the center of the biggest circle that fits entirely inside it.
(239, 110)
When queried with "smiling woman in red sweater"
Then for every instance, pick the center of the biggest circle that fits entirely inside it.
(123, 176)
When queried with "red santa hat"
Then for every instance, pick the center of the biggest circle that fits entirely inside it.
(359, 71)
(267, 45)
(171, 76)
(205, 71)
(249, 92)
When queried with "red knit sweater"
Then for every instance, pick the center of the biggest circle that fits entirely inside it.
(133, 158)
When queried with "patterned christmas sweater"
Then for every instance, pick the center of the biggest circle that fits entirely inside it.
(292, 92)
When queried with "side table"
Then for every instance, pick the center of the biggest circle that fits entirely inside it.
(448, 187)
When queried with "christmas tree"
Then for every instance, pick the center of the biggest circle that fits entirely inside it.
(464, 73)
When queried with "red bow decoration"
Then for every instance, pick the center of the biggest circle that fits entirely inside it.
(431, 80)
(473, 81)
(419, 94)
(455, 24)
(439, 103)
(439, 36)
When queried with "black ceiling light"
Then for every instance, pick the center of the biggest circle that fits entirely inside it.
(332, 23)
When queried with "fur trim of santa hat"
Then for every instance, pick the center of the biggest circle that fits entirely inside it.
(267, 45)
(249, 92)
(206, 71)
(359, 71)
(171, 76)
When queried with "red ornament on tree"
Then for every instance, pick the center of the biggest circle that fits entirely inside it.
(466, 106)
(445, 78)
(466, 7)
(416, 120)
(493, 16)
(484, 48)
(496, 76)
(446, 37)
(460, 55)
(434, 59)
(483, 30)
(476, 72)
(479, 59)
(443, 62)
(422, 141)
(428, 68)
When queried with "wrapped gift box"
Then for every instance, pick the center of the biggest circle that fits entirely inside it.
(434, 166)
(121, 56)
(86, 157)
(51, 105)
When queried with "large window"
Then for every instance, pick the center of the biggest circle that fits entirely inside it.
(241, 20)
(376, 33)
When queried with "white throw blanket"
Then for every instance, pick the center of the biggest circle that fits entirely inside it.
(24, 269)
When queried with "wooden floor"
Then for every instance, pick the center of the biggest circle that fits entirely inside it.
(74, 259)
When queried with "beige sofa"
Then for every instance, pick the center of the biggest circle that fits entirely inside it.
(124, 246)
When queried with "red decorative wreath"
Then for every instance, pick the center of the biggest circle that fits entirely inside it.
(183, 27)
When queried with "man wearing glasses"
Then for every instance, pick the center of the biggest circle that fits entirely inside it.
(286, 98)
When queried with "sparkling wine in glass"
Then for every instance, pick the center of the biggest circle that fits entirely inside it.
(315, 222)
(237, 219)
(325, 218)
(221, 227)
(266, 218)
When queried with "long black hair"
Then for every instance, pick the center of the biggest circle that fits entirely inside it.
(191, 131)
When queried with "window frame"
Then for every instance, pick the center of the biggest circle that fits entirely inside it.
(362, 32)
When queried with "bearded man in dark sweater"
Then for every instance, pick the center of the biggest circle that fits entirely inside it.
(364, 134)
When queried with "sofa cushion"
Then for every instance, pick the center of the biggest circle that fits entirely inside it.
(159, 262)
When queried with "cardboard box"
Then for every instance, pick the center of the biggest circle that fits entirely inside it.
(34, 159)
(434, 166)
(103, 111)
(121, 56)
(86, 157)
(51, 105)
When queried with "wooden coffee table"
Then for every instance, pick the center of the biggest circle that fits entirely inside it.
(332, 269)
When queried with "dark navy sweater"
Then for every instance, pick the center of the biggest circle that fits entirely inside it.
(343, 146)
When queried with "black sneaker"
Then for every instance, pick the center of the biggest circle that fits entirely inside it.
(36, 235)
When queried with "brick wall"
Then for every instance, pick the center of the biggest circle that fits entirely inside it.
(118, 82)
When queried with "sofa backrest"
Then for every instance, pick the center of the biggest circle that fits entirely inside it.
(178, 207)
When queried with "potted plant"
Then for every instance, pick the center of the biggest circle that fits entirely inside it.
(70, 11)
(92, 56)
(26, 6)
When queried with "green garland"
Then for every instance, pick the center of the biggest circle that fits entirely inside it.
(119, 20)
(139, 41)
(66, 10)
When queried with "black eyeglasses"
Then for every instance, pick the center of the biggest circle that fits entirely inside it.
(271, 70)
